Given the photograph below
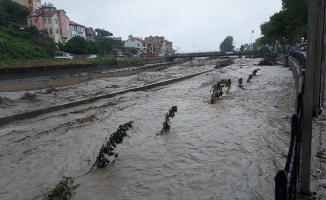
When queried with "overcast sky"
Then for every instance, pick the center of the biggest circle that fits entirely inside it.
(204, 23)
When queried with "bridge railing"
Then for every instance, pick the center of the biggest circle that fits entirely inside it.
(212, 53)
(286, 179)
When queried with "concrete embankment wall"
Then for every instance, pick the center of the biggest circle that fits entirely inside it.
(35, 113)
(296, 69)
(64, 81)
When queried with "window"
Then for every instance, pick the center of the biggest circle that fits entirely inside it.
(44, 21)
(35, 20)
(56, 21)
(60, 31)
(138, 44)
(30, 21)
(49, 20)
(50, 30)
(57, 31)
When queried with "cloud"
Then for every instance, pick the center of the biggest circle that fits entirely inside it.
(184, 22)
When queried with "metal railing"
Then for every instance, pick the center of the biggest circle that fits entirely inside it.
(286, 180)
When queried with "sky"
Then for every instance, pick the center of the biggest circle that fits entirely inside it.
(192, 25)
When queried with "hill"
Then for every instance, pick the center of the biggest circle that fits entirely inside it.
(16, 44)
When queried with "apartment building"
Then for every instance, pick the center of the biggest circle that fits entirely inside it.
(32, 5)
(54, 21)
(77, 30)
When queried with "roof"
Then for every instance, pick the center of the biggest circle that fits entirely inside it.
(89, 31)
(136, 38)
(116, 38)
(45, 14)
(74, 23)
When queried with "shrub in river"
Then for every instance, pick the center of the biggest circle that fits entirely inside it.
(29, 96)
(171, 113)
(63, 190)
(107, 148)
(240, 83)
(217, 89)
(254, 72)
(249, 78)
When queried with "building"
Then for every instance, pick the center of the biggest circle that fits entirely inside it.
(32, 5)
(169, 47)
(117, 41)
(77, 30)
(90, 34)
(54, 21)
(159, 45)
(137, 43)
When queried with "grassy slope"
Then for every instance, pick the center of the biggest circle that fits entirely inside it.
(12, 47)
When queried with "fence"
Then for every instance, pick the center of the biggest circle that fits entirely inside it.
(286, 180)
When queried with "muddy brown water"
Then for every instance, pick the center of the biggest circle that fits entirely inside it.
(228, 150)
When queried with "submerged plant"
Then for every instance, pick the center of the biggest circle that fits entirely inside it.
(240, 83)
(171, 113)
(107, 148)
(63, 190)
(249, 78)
(254, 72)
(217, 89)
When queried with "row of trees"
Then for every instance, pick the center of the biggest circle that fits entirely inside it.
(102, 44)
(287, 26)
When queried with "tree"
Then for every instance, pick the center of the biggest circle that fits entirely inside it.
(242, 48)
(13, 12)
(105, 45)
(102, 32)
(76, 45)
(91, 48)
(288, 25)
(227, 44)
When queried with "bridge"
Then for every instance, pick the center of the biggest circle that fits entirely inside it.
(212, 53)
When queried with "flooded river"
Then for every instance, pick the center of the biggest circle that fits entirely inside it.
(228, 150)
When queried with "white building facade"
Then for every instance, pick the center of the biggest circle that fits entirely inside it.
(77, 30)
(137, 43)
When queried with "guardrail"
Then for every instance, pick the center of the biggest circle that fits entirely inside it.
(286, 179)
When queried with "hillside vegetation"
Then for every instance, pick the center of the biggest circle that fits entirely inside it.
(13, 45)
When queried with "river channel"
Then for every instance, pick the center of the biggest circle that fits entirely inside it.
(231, 149)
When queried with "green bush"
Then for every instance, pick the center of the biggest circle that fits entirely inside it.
(263, 50)
(103, 61)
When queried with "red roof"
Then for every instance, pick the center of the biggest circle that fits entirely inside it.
(74, 23)
(89, 31)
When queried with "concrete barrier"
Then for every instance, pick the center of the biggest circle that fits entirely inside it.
(64, 81)
(35, 113)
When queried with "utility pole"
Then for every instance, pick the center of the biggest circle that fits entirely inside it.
(312, 85)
